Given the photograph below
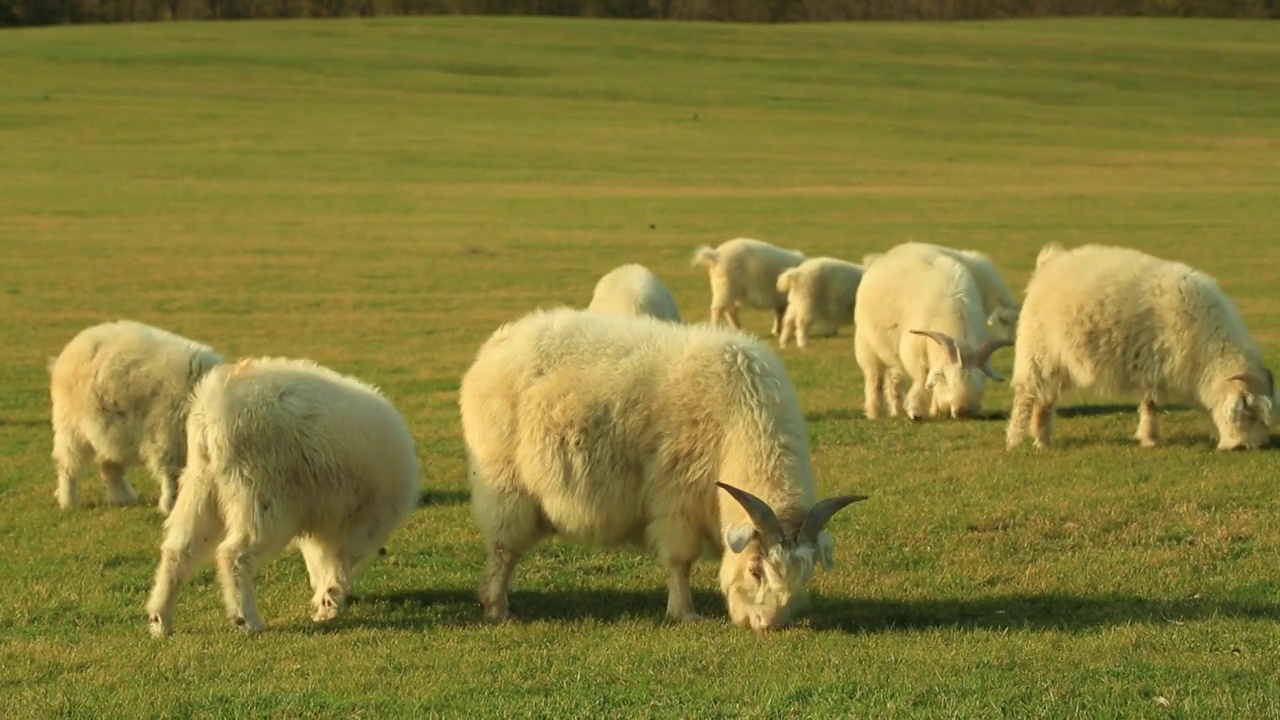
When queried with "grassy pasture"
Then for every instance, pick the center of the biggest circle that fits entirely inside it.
(380, 194)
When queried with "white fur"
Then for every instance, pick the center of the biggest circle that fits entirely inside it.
(633, 290)
(119, 394)
(614, 431)
(284, 450)
(1121, 322)
(918, 287)
(745, 272)
(997, 300)
(820, 297)
(1049, 252)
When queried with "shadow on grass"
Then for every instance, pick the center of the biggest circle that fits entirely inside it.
(1078, 411)
(1071, 613)
(1124, 441)
(1025, 612)
(1069, 411)
(850, 413)
(459, 607)
(443, 497)
(1073, 411)
(857, 414)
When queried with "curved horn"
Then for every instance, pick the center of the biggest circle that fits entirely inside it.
(982, 356)
(1252, 383)
(1271, 381)
(983, 353)
(944, 340)
(762, 516)
(819, 514)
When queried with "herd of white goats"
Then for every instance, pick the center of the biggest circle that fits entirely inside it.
(619, 424)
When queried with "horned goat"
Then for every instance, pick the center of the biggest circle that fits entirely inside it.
(919, 313)
(1120, 322)
(619, 431)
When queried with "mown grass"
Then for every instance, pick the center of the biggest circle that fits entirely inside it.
(379, 195)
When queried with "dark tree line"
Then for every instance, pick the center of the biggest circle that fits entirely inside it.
(52, 12)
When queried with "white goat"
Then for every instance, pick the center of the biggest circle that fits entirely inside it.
(1121, 322)
(633, 290)
(997, 300)
(820, 297)
(119, 394)
(745, 272)
(619, 430)
(284, 450)
(919, 312)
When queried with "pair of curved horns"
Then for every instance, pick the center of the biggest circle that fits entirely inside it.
(766, 521)
(1267, 385)
(977, 359)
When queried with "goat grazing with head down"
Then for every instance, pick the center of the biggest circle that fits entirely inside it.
(120, 393)
(284, 451)
(744, 271)
(633, 289)
(820, 297)
(1121, 322)
(631, 430)
(919, 313)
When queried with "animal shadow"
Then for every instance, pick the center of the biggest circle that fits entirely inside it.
(1072, 411)
(443, 497)
(460, 607)
(1034, 612)
(834, 414)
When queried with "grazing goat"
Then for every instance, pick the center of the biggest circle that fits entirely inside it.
(745, 272)
(283, 450)
(820, 298)
(1121, 322)
(919, 313)
(619, 431)
(120, 392)
(633, 290)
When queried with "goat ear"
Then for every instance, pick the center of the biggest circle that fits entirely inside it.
(737, 536)
(826, 550)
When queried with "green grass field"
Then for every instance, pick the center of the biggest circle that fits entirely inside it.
(380, 195)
